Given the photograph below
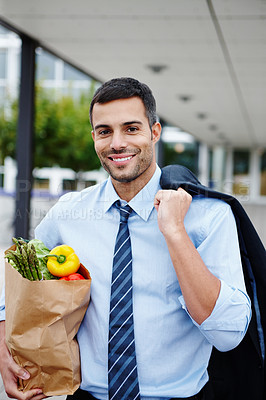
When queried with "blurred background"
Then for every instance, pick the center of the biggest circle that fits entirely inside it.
(205, 61)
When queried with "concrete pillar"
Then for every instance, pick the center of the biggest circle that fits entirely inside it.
(203, 164)
(10, 172)
(56, 177)
(229, 179)
(218, 167)
(254, 190)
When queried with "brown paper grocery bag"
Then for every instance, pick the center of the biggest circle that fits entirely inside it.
(42, 319)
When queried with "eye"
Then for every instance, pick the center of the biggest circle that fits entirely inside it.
(132, 129)
(103, 132)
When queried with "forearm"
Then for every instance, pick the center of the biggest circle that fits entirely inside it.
(5, 356)
(200, 288)
(4, 352)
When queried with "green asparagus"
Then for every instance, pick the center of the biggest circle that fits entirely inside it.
(27, 262)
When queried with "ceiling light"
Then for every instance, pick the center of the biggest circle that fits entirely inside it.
(157, 68)
(213, 127)
(185, 97)
(221, 136)
(201, 115)
(171, 134)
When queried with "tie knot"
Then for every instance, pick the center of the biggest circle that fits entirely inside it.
(125, 211)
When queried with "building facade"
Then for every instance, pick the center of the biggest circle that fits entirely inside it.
(238, 171)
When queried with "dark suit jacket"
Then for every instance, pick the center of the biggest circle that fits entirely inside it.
(238, 374)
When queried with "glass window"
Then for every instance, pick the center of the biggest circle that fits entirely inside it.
(45, 65)
(3, 30)
(73, 74)
(181, 153)
(263, 174)
(3, 60)
(241, 172)
(179, 147)
(69, 185)
(40, 183)
(2, 95)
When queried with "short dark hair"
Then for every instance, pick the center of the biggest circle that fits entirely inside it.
(124, 88)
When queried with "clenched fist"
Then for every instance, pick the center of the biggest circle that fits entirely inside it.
(172, 206)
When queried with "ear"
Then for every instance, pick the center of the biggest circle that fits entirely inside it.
(156, 132)
(93, 135)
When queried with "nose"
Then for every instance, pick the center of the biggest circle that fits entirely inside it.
(118, 141)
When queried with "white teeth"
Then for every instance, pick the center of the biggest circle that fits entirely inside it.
(122, 159)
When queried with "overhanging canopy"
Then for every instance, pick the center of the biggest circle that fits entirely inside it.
(204, 60)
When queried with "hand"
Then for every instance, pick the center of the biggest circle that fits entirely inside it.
(172, 206)
(11, 371)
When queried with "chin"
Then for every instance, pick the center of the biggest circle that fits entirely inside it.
(123, 178)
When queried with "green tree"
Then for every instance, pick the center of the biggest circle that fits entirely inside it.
(62, 132)
(8, 129)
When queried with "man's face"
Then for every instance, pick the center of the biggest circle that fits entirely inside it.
(124, 141)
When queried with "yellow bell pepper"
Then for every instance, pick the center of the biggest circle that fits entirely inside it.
(62, 261)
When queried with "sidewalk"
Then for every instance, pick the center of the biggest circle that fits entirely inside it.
(3, 395)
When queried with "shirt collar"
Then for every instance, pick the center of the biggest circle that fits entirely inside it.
(143, 202)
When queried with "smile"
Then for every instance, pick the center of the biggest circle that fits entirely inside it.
(121, 159)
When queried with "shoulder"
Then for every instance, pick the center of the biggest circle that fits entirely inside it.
(209, 205)
(86, 196)
(73, 203)
(72, 206)
(210, 210)
(206, 215)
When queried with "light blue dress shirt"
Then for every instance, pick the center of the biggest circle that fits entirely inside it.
(172, 350)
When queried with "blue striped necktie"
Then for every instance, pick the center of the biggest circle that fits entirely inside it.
(122, 366)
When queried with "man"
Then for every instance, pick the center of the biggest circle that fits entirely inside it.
(187, 283)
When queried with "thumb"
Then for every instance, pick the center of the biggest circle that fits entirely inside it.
(23, 374)
(18, 370)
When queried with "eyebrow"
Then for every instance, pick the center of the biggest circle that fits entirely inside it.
(132, 123)
(123, 124)
(101, 126)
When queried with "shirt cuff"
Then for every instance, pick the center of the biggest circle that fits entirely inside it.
(232, 311)
(2, 314)
(2, 305)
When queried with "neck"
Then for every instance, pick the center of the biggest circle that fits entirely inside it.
(128, 190)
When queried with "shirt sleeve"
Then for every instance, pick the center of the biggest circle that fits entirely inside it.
(2, 305)
(228, 322)
(47, 231)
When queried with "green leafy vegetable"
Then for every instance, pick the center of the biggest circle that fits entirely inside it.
(29, 259)
(41, 253)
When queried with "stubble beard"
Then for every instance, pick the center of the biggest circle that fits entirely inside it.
(143, 164)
